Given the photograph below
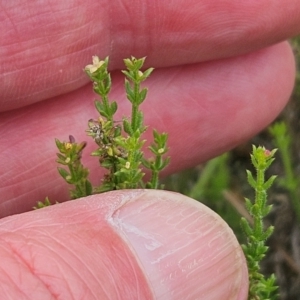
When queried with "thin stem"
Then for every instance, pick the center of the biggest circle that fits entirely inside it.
(282, 139)
(255, 249)
(134, 113)
(78, 186)
(259, 191)
(291, 179)
(154, 179)
(135, 108)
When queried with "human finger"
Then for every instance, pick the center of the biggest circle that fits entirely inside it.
(44, 46)
(134, 244)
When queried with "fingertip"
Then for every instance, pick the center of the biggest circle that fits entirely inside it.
(185, 250)
(132, 244)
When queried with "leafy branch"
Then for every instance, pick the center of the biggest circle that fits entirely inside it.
(255, 249)
(119, 146)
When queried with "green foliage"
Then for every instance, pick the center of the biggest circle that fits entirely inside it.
(213, 181)
(77, 175)
(157, 163)
(290, 181)
(41, 204)
(295, 42)
(119, 146)
(255, 248)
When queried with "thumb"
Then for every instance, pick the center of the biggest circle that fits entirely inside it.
(134, 244)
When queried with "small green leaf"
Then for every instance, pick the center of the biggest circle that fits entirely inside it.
(88, 188)
(142, 95)
(63, 173)
(266, 210)
(268, 163)
(250, 179)
(113, 107)
(62, 159)
(58, 143)
(248, 204)
(128, 63)
(129, 91)
(268, 232)
(147, 164)
(269, 182)
(165, 163)
(147, 73)
(101, 109)
(138, 63)
(127, 127)
(246, 227)
(128, 75)
(140, 120)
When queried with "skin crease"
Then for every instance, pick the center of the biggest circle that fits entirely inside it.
(43, 50)
(218, 88)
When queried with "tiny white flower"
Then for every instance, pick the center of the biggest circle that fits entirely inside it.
(161, 150)
(97, 63)
(127, 165)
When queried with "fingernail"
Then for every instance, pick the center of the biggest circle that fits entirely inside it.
(185, 250)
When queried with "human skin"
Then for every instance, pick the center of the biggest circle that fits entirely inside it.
(220, 78)
(121, 245)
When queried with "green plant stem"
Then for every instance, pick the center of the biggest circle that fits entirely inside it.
(154, 174)
(282, 140)
(291, 179)
(208, 174)
(106, 105)
(260, 194)
(260, 288)
(134, 117)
